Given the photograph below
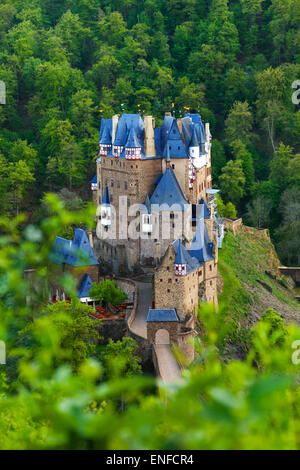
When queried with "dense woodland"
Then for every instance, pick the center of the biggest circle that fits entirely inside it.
(67, 63)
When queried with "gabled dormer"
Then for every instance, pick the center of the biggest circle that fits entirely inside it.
(105, 141)
(133, 148)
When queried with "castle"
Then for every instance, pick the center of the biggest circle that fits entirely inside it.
(156, 207)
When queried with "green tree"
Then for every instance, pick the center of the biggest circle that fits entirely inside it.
(239, 123)
(120, 358)
(72, 332)
(20, 181)
(108, 293)
(232, 181)
(280, 169)
(226, 210)
(258, 212)
(218, 158)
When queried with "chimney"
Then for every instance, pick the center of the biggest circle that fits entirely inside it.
(115, 120)
(207, 130)
(179, 124)
(149, 143)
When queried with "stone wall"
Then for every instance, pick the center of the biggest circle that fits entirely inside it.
(154, 327)
(262, 233)
(234, 225)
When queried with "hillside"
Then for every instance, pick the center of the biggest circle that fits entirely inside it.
(250, 284)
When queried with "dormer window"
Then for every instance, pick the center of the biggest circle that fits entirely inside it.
(104, 149)
(147, 223)
(180, 269)
(133, 153)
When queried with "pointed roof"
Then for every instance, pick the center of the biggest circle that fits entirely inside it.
(194, 130)
(194, 141)
(60, 250)
(85, 287)
(206, 209)
(168, 192)
(180, 258)
(148, 204)
(132, 141)
(201, 247)
(106, 132)
(169, 137)
(94, 180)
(183, 257)
(106, 199)
(76, 252)
(82, 253)
(125, 124)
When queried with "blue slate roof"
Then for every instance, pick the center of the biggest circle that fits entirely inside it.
(180, 258)
(126, 123)
(106, 132)
(60, 250)
(94, 180)
(132, 141)
(148, 204)
(183, 257)
(194, 132)
(85, 287)
(168, 192)
(162, 315)
(201, 247)
(77, 252)
(168, 136)
(206, 209)
(106, 199)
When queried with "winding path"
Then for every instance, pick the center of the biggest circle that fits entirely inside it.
(139, 326)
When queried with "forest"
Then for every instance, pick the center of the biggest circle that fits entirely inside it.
(67, 63)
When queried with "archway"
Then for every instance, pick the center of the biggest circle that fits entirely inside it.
(162, 337)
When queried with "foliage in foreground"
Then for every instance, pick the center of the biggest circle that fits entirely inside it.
(236, 405)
